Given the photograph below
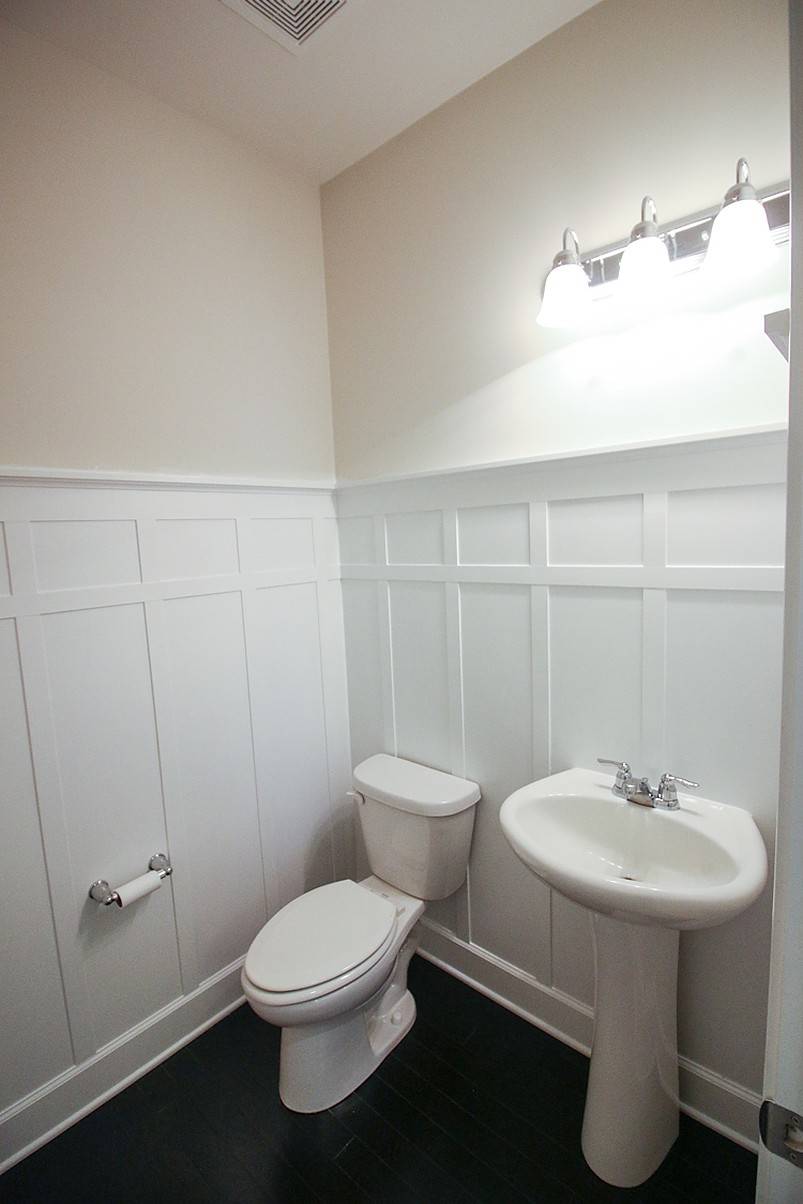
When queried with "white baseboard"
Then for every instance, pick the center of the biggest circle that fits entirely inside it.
(43, 1114)
(725, 1106)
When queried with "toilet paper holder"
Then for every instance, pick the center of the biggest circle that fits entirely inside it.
(101, 892)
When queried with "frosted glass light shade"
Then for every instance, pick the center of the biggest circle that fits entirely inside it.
(741, 242)
(566, 297)
(644, 269)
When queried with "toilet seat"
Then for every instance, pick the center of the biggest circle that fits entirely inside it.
(320, 942)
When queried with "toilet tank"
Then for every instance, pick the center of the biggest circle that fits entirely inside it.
(416, 823)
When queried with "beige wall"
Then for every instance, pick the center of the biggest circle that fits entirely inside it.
(163, 306)
(436, 244)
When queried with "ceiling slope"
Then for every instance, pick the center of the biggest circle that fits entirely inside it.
(368, 73)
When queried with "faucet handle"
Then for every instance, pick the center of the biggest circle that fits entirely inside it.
(623, 775)
(673, 777)
(668, 787)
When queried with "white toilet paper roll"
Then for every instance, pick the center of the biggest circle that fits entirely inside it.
(137, 888)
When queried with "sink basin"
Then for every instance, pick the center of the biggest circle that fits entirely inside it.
(691, 868)
(645, 873)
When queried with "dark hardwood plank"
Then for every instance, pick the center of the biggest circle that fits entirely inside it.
(474, 1105)
(412, 1165)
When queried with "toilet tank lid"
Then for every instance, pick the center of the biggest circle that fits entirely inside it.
(413, 787)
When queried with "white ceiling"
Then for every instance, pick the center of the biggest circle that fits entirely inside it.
(372, 70)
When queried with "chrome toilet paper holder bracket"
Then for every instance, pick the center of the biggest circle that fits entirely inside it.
(101, 892)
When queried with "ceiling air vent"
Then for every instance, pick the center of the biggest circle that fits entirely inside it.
(289, 22)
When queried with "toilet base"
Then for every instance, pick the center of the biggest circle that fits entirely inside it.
(320, 1064)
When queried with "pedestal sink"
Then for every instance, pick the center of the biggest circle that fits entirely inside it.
(645, 873)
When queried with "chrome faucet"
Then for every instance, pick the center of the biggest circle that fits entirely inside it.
(639, 790)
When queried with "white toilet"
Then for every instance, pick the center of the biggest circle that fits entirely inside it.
(330, 968)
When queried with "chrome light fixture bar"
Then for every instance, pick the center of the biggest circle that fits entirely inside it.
(687, 240)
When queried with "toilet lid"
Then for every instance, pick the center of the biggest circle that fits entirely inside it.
(319, 936)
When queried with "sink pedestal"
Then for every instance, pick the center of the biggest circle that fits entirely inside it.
(631, 1112)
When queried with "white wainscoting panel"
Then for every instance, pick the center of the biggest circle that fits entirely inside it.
(215, 771)
(420, 681)
(69, 555)
(191, 547)
(415, 538)
(737, 525)
(276, 543)
(595, 531)
(284, 660)
(595, 639)
(529, 618)
(495, 623)
(174, 666)
(361, 603)
(105, 743)
(32, 1007)
(356, 537)
(172, 678)
(494, 535)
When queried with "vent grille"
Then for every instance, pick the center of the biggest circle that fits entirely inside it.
(289, 22)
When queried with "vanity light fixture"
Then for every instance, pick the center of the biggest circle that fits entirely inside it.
(732, 241)
(740, 241)
(688, 238)
(566, 291)
(644, 266)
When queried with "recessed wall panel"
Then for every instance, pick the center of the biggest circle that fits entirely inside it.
(105, 736)
(596, 531)
(723, 669)
(415, 538)
(420, 671)
(215, 764)
(595, 675)
(277, 543)
(90, 552)
(33, 1019)
(356, 540)
(196, 547)
(290, 738)
(494, 535)
(738, 525)
(509, 906)
(361, 617)
(723, 719)
(325, 543)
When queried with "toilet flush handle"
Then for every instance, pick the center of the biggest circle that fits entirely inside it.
(355, 794)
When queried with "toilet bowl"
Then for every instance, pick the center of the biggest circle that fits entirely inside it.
(356, 938)
(330, 968)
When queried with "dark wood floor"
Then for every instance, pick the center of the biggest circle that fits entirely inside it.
(474, 1104)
